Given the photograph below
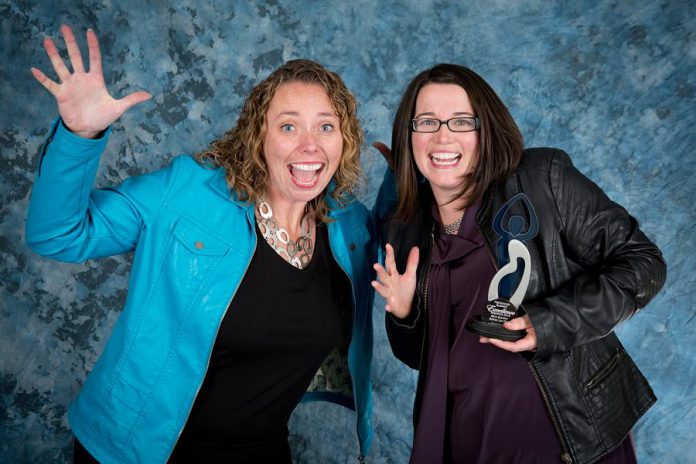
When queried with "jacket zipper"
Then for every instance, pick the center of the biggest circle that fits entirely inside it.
(210, 353)
(565, 456)
(425, 300)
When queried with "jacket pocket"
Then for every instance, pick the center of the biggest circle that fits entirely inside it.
(198, 240)
(605, 371)
(192, 253)
(180, 282)
(617, 395)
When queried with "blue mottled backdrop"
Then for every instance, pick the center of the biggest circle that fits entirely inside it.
(611, 82)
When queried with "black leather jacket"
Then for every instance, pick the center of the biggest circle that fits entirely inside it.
(592, 268)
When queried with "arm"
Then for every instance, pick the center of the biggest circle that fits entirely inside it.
(403, 322)
(622, 268)
(406, 336)
(69, 221)
(386, 197)
(66, 219)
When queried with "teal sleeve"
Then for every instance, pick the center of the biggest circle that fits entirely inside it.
(385, 203)
(68, 220)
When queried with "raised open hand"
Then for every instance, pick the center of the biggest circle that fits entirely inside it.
(397, 289)
(83, 101)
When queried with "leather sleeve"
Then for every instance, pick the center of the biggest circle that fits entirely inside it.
(406, 337)
(622, 269)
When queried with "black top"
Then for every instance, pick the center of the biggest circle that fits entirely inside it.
(279, 328)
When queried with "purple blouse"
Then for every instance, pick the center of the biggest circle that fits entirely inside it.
(480, 403)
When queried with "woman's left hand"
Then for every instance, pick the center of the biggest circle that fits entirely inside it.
(528, 343)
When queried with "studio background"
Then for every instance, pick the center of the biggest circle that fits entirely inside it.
(612, 83)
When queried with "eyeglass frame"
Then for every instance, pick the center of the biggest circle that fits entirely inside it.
(477, 124)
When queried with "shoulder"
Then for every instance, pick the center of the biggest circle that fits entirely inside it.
(185, 171)
(543, 158)
(191, 167)
(352, 211)
(354, 222)
(182, 177)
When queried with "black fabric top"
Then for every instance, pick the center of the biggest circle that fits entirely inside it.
(280, 326)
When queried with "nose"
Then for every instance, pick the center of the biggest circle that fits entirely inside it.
(308, 142)
(443, 134)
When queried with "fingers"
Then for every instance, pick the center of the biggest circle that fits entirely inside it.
(382, 275)
(389, 261)
(95, 60)
(133, 99)
(528, 343)
(45, 81)
(73, 49)
(412, 262)
(518, 323)
(56, 61)
(385, 151)
(381, 289)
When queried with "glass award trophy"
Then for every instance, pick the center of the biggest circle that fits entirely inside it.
(499, 310)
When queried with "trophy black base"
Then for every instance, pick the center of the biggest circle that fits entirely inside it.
(493, 330)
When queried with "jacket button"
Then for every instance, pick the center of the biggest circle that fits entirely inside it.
(352, 247)
(199, 245)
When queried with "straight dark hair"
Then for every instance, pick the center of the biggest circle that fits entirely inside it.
(500, 140)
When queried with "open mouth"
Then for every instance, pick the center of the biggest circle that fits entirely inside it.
(305, 175)
(445, 159)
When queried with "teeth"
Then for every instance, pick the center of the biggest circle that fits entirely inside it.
(304, 184)
(445, 159)
(444, 156)
(307, 166)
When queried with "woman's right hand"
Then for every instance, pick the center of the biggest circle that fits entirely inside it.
(84, 104)
(397, 289)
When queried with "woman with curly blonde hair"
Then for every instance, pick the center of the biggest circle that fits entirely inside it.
(240, 150)
(249, 289)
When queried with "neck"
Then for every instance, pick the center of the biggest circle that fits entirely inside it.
(450, 211)
(288, 215)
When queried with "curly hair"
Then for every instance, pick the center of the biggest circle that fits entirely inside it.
(240, 150)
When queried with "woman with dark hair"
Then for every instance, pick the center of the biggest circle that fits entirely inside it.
(567, 391)
(249, 288)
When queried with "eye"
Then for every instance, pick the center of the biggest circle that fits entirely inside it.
(428, 122)
(327, 127)
(464, 122)
(287, 128)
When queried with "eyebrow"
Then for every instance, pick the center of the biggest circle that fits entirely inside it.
(297, 113)
(455, 114)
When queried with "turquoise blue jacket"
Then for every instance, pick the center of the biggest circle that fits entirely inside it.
(192, 242)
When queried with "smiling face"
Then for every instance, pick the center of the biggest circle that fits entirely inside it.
(444, 157)
(302, 145)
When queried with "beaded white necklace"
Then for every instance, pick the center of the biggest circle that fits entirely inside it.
(299, 252)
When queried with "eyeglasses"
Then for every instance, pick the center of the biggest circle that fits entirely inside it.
(463, 124)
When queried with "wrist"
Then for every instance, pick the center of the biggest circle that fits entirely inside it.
(85, 134)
